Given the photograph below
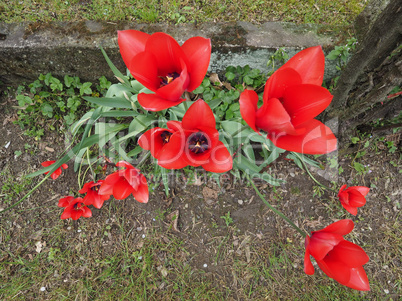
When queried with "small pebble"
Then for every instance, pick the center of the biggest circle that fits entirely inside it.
(42, 289)
(79, 230)
(139, 257)
(386, 291)
(143, 235)
(205, 265)
(240, 202)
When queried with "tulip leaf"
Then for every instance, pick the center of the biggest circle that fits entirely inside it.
(115, 71)
(244, 164)
(269, 179)
(115, 113)
(86, 143)
(114, 102)
(137, 150)
(298, 157)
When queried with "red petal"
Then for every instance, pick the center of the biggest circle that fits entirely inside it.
(349, 254)
(131, 43)
(356, 199)
(308, 266)
(122, 189)
(174, 125)
(350, 209)
(152, 102)
(198, 115)
(66, 214)
(248, 107)
(175, 89)
(362, 189)
(151, 140)
(125, 164)
(144, 68)
(304, 102)
(86, 212)
(65, 166)
(342, 188)
(358, 279)
(316, 139)
(309, 63)
(47, 163)
(335, 269)
(167, 52)
(172, 155)
(341, 227)
(142, 193)
(107, 186)
(344, 197)
(321, 243)
(64, 202)
(278, 82)
(132, 176)
(273, 118)
(198, 53)
(86, 187)
(220, 159)
(56, 173)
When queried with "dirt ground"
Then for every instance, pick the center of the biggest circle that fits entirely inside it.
(257, 256)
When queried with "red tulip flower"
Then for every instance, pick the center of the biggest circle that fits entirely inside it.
(338, 258)
(124, 182)
(194, 141)
(92, 194)
(57, 172)
(163, 66)
(74, 208)
(353, 197)
(293, 96)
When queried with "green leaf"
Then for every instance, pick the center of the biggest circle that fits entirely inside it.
(230, 75)
(86, 88)
(115, 113)
(115, 71)
(244, 164)
(113, 102)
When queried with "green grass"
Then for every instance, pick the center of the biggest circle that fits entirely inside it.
(341, 12)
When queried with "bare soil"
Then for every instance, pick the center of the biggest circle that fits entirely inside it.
(224, 254)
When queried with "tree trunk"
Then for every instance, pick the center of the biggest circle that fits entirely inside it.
(372, 72)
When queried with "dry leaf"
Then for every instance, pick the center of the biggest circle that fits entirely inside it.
(214, 78)
(38, 247)
(173, 218)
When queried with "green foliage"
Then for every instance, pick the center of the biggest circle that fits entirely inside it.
(49, 98)
(278, 58)
(244, 76)
(228, 220)
(342, 53)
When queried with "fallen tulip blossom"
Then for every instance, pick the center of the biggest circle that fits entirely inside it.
(74, 208)
(92, 196)
(57, 172)
(293, 97)
(163, 66)
(338, 258)
(124, 182)
(353, 197)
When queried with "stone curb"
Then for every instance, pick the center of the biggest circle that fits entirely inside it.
(27, 50)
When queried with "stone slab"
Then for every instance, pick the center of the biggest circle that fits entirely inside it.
(27, 50)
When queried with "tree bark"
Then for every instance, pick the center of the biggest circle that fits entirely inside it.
(380, 41)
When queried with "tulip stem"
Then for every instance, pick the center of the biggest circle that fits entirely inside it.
(275, 210)
(311, 176)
